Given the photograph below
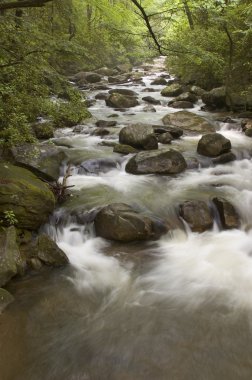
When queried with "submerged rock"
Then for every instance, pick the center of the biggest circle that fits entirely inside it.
(121, 101)
(188, 121)
(197, 215)
(149, 108)
(228, 215)
(97, 165)
(119, 221)
(25, 195)
(139, 136)
(224, 158)
(106, 123)
(156, 162)
(213, 144)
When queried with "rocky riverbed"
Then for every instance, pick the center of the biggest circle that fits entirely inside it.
(156, 230)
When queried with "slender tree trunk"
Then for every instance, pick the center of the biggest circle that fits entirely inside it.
(188, 14)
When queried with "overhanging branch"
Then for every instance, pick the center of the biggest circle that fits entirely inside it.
(23, 4)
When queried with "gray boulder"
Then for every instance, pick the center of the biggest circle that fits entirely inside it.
(188, 121)
(139, 136)
(121, 101)
(165, 138)
(224, 158)
(119, 221)
(123, 91)
(124, 149)
(216, 98)
(149, 108)
(156, 162)
(97, 165)
(159, 81)
(174, 131)
(181, 104)
(197, 215)
(213, 144)
(151, 100)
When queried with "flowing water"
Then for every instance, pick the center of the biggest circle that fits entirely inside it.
(179, 308)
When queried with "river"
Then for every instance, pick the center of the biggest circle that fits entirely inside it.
(174, 309)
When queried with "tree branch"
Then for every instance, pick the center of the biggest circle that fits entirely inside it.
(23, 4)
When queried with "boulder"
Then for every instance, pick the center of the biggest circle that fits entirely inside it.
(228, 215)
(101, 96)
(216, 98)
(213, 144)
(119, 79)
(43, 131)
(188, 121)
(173, 89)
(165, 138)
(123, 91)
(248, 132)
(5, 299)
(87, 77)
(175, 132)
(121, 101)
(124, 149)
(159, 82)
(198, 91)
(156, 162)
(119, 221)
(43, 160)
(151, 100)
(30, 199)
(224, 158)
(139, 136)
(47, 251)
(187, 97)
(149, 108)
(197, 215)
(97, 165)
(106, 123)
(11, 262)
(181, 104)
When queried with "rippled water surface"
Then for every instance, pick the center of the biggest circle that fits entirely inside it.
(179, 308)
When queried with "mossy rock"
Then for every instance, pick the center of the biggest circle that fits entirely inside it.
(174, 89)
(188, 121)
(43, 131)
(30, 199)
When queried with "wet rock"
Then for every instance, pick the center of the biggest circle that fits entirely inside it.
(151, 100)
(159, 81)
(43, 160)
(224, 158)
(100, 132)
(197, 215)
(96, 166)
(213, 144)
(192, 163)
(175, 132)
(119, 221)
(226, 119)
(47, 251)
(156, 162)
(11, 262)
(216, 98)
(173, 89)
(43, 131)
(188, 121)
(123, 91)
(185, 97)
(121, 101)
(248, 132)
(149, 108)
(5, 299)
(119, 79)
(106, 123)
(139, 136)
(198, 91)
(150, 90)
(137, 77)
(124, 149)
(87, 77)
(165, 138)
(101, 96)
(89, 102)
(29, 198)
(228, 215)
(113, 115)
(182, 104)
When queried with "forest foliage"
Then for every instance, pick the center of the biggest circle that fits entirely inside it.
(208, 43)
